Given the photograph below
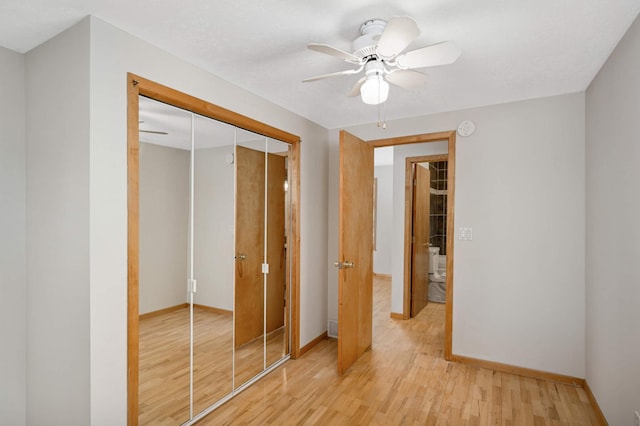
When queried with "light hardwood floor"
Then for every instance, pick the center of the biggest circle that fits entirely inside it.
(402, 380)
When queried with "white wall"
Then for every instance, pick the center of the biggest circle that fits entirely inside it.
(113, 54)
(214, 245)
(57, 223)
(384, 220)
(400, 154)
(520, 179)
(12, 242)
(333, 182)
(164, 226)
(613, 208)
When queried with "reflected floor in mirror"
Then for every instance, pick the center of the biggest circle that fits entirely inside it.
(250, 356)
(164, 363)
(404, 379)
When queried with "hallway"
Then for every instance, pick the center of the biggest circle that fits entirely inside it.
(402, 380)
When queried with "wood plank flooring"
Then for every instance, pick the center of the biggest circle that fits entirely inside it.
(402, 380)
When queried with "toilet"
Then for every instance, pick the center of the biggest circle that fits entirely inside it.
(437, 278)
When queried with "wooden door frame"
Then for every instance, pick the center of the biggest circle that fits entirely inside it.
(450, 138)
(408, 225)
(137, 86)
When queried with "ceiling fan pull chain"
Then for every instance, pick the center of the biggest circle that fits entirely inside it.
(384, 116)
(379, 122)
(382, 123)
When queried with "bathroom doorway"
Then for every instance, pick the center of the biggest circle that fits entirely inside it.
(425, 230)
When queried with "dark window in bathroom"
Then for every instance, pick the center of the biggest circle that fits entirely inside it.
(438, 205)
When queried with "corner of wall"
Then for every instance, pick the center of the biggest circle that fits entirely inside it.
(13, 308)
(612, 207)
(57, 223)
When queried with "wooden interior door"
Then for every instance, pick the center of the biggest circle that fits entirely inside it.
(355, 250)
(249, 281)
(420, 238)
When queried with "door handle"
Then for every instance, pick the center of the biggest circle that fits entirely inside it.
(241, 256)
(344, 265)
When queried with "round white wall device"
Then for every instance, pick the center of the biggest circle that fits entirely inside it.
(466, 128)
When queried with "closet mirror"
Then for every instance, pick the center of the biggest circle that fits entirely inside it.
(250, 251)
(278, 218)
(165, 314)
(262, 265)
(213, 263)
(214, 269)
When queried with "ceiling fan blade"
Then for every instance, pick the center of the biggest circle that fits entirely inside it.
(397, 35)
(407, 79)
(355, 90)
(333, 74)
(443, 53)
(333, 51)
(155, 132)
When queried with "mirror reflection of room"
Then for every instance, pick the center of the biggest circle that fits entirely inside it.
(164, 265)
(214, 219)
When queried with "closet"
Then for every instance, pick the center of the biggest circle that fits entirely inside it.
(215, 267)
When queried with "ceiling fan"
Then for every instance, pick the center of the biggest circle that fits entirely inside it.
(379, 52)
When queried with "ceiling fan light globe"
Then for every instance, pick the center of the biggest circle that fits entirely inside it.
(375, 90)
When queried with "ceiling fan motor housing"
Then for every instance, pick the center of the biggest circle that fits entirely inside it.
(365, 45)
(374, 67)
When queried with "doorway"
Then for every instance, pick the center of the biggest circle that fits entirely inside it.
(425, 228)
(361, 328)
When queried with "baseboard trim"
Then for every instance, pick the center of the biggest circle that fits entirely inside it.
(520, 371)
(395, 315)
(164, 311)
(184, 306)
(382, 276)
(306, 348)
(212, 309)
(595, 405)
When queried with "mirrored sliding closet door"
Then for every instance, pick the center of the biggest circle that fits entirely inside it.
(214, 280)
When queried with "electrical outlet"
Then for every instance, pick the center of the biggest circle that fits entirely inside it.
(637, 418)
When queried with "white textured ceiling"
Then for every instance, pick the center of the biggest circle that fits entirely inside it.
(511, 49)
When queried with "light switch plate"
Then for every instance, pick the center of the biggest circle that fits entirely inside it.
(465, 233)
